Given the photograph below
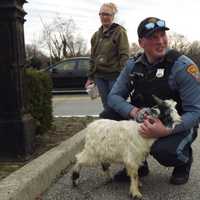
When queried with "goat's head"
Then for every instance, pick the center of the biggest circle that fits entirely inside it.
(165, 110)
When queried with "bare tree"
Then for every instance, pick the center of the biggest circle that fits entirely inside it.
(135, 49)
(193, 52)
(178, 42)
(35, 58)
(62, 39)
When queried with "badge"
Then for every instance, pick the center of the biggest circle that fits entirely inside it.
(194, 71)
(101, 60)
(160, 73)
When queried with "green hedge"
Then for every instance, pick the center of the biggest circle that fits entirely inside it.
(38, 98)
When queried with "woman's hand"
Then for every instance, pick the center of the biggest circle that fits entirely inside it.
(153, 128)
(88, 82)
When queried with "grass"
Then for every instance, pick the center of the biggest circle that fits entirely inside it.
(62, 129)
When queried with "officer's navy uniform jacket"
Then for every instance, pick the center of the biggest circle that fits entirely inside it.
(167, 79)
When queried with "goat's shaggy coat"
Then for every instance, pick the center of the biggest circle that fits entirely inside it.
(109, 141)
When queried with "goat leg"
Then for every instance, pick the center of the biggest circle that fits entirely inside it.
(105, 167)
(134, 187)
(75, 175)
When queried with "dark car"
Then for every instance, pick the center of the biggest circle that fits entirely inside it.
(69, 74)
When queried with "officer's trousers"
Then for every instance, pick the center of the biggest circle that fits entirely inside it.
(173, 150)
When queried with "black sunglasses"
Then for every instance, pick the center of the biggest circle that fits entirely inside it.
(104, 14)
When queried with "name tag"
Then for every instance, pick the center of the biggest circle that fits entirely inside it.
(160, 73)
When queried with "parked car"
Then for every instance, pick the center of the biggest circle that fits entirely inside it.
(69, 74)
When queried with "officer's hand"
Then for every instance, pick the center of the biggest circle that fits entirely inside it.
(153, 128)
(134, 112)
(142, 114)
(139, 114)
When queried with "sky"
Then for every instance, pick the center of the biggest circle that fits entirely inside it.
(181, 16)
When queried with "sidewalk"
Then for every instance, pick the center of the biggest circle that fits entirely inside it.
(39, 176)
(94, 186)
(35, 177)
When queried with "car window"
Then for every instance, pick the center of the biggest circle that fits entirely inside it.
(68, 65)
(84, 64)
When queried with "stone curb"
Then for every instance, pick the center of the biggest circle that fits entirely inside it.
(35, 177)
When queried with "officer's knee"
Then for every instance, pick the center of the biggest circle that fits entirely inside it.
(104, 114)
(110, 114)
(164, 157)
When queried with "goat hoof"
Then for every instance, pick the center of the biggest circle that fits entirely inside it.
(74, 184)
(74, 177)
(136, 197)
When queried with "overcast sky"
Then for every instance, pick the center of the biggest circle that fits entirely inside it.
(181, 16)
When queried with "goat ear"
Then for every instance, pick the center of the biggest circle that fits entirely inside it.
(173, 102)
(158, 100)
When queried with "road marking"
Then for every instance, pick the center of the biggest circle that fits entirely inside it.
(56, 116)
(70, 98)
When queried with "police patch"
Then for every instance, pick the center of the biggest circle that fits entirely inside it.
(194, 71)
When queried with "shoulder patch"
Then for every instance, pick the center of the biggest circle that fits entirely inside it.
(192, 69)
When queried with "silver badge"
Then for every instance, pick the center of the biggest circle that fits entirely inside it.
(160, 73)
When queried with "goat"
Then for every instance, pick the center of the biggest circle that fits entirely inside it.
(108, 141)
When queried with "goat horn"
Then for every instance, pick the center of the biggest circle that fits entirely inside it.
(158, 100)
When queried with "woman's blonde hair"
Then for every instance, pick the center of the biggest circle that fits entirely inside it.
(112, 6)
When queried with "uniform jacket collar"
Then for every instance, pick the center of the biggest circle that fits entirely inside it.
(142, 59)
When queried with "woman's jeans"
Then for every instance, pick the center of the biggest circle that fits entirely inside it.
(104, 86)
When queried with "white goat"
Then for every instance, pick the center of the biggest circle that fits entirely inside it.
(108, 141)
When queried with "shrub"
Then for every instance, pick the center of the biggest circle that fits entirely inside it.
(38, 98)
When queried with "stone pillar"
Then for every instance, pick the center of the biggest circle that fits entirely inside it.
(16, 128)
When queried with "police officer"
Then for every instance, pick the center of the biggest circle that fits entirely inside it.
(169, 75)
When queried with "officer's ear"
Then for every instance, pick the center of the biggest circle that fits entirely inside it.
(140, 42)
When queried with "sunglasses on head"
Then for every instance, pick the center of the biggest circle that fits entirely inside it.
(104, 14)
(151, 25)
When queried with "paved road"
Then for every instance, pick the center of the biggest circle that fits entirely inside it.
(76, 104)
(93, 185)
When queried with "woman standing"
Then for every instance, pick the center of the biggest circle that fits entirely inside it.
(109, 52)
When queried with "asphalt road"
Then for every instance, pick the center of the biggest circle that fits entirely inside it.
(93, 186)
(75, 104)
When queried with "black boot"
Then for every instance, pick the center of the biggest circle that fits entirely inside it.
(180, 174)
(122, 176)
